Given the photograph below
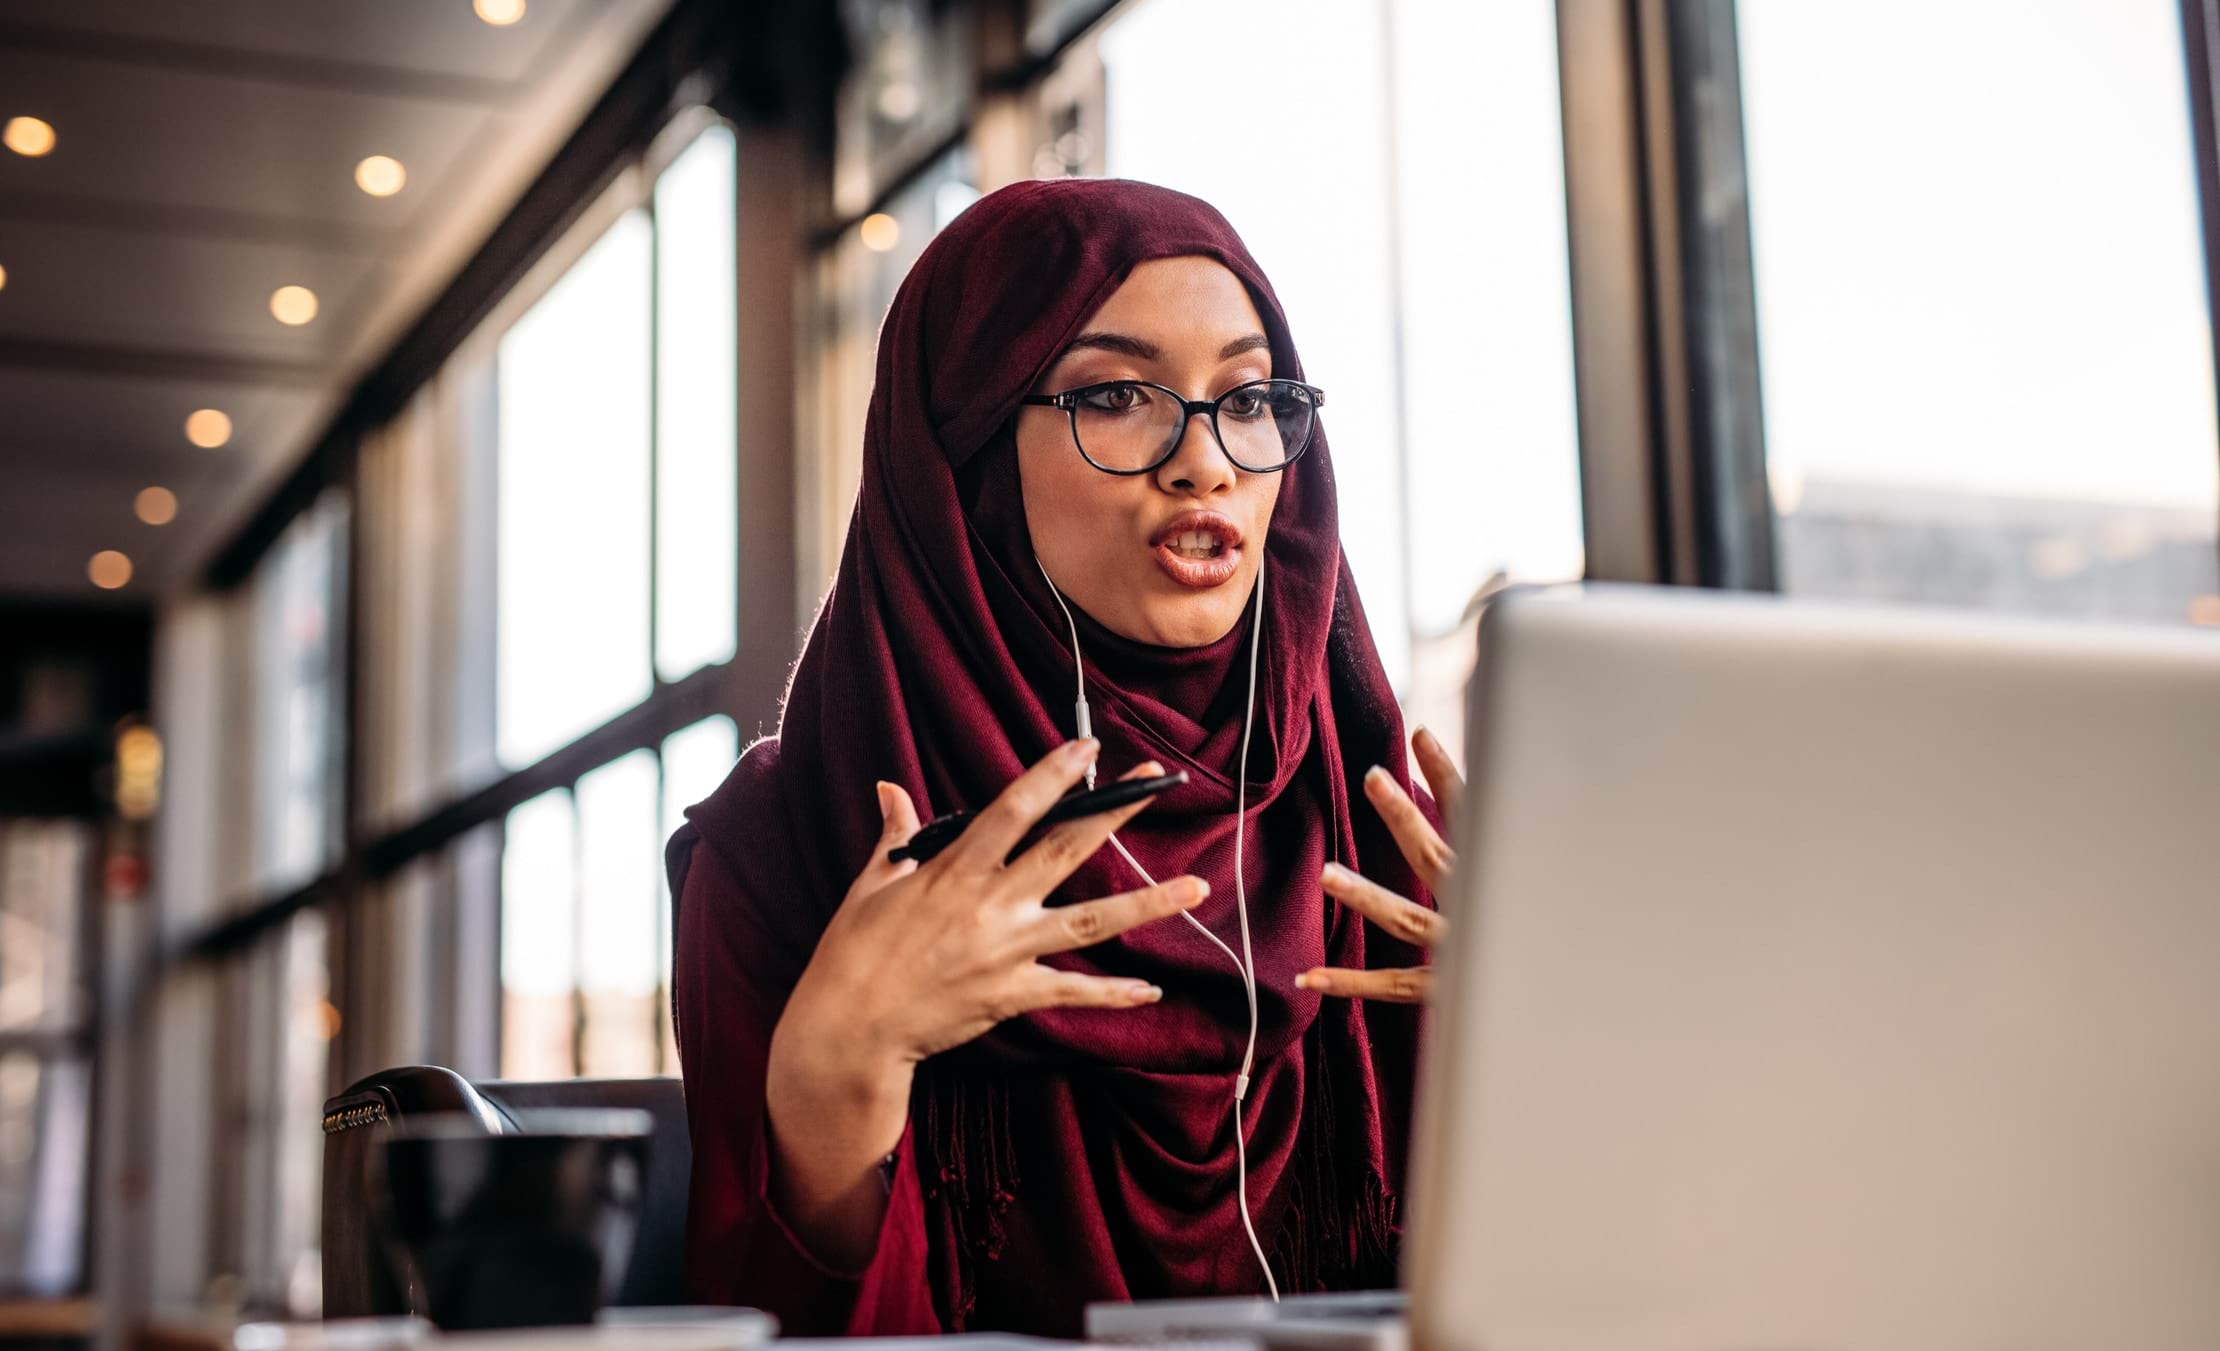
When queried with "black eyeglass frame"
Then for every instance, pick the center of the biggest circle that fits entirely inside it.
(1069, 399)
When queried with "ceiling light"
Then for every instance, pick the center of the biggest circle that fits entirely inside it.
(208, 428)
(381, 176)
(108, 569)
(880, 232)
(499, 13)
(28, 136)
(294, 305)
(155, 506)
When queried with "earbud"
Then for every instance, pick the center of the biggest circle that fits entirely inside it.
(1245, 963)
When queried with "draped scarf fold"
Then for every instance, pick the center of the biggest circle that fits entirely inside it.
(940, 661)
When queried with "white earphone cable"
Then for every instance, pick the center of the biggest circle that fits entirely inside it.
(1245, 962)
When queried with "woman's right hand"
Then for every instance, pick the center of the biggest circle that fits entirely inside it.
(919, 959)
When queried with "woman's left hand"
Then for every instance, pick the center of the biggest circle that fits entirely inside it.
(1430, 857)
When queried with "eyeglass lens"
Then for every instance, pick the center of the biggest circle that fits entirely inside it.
(1132, 426)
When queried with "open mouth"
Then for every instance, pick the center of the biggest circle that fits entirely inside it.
(1198, 549)
(1196, 544)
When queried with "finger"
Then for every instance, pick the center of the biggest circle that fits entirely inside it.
(1077, 926)
(1430, 856)
(1401, 918)
(1045, 987)
(1039, 869)
(989, 839)
(898, 813)
(1442, 778)
(1399, 985)
(898, 817)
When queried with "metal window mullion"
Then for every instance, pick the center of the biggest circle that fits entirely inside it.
(577, 934)
(2201, 53)
(654, 435)
(1664, 320)
(1730, 515)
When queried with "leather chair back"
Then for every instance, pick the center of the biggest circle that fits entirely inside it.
(359, 1281)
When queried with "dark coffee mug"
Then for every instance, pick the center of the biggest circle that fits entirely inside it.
(526, 1228)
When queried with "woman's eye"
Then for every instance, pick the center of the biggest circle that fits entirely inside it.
(1244, 403)
(1113, 399)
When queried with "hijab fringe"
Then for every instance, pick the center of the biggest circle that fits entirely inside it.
(973, 1176)
(1335, 1233)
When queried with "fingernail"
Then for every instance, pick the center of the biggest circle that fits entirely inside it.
(1332, 872)
(1082, 750)
(1149, 994)
(886, 798)
(1197, 890)
(1303, 981)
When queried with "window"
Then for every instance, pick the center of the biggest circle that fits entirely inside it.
(618, 572)
(855, 284)
(619, 928)
(1413, 225)
(546, 533)
(576, 378)
(299, 627)
(299, 1047)
(695, 760)
(585, 914)
(1982, 319)
(696, 423)
(539, 939)
(46, 869)
(909, 87)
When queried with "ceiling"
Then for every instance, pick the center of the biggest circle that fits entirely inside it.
(205, 156)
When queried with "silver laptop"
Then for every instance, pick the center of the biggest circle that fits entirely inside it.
(1826, 978)
(1821, 977)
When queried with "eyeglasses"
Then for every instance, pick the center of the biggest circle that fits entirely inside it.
(1132, 426)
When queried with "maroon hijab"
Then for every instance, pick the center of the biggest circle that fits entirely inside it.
(940, 661)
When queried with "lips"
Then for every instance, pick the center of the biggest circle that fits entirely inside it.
(1200, 549)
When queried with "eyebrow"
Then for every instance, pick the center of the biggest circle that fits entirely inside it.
(1145, 350)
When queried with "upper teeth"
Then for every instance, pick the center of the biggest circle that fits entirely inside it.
(1195, 541)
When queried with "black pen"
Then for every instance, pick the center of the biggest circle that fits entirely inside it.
(940, 832)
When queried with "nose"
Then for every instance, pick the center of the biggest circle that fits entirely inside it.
(1198, 467)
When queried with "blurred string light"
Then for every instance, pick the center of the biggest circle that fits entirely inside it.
(2205, 610)
(155, 506)
(880, 232)
(499, 13)
(138, 772)
(28, 136)
(3, 279)
(381, 175)
(208, 428)
(109, 570)
(293, 305)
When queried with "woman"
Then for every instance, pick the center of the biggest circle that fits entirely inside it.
(978, 1093)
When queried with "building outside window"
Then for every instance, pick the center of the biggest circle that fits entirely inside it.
(1983, 333)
